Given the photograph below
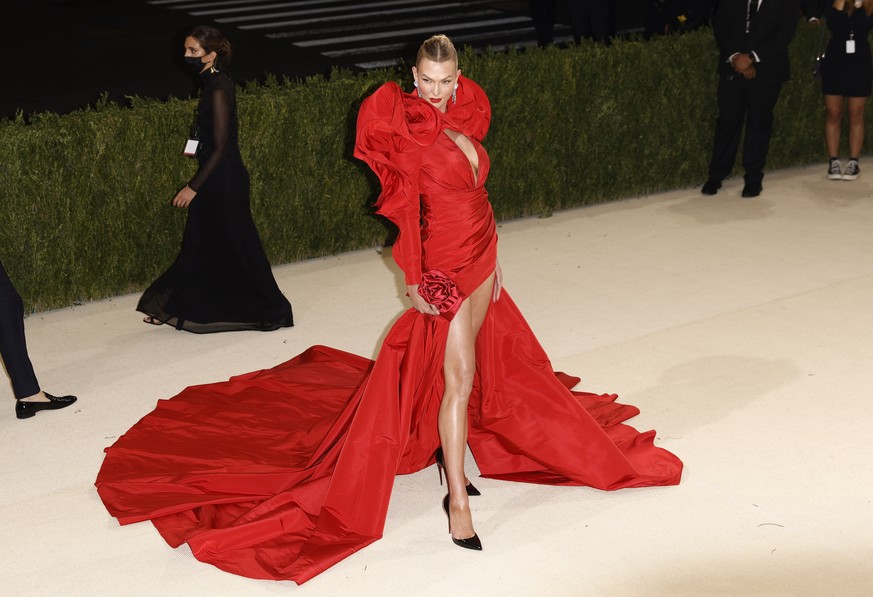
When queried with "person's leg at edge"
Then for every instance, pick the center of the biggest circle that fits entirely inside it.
(459, 369)
(13, 346)
(856, 125)
(833, 118)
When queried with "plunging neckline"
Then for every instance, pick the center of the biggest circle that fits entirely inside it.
(473, 168)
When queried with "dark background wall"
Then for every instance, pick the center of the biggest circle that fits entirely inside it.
(61, 55)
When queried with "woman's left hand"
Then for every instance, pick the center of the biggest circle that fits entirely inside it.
(184, 197)
(498, 283)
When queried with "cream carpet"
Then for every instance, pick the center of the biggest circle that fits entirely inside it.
(740, 327)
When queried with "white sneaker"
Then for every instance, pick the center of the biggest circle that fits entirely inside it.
(853, 170)
(835, 170)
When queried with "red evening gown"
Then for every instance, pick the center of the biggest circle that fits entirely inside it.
(281, 473)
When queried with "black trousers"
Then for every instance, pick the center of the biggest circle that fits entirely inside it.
(739, 100)
(542, 13)
(13, 347)
(588, 18)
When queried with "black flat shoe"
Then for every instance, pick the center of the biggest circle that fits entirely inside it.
(752, 190)
(470, 542)
(711, 187)
(25, 410)
(441, 466)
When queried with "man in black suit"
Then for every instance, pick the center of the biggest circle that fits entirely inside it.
(13, 349)
(752, 38)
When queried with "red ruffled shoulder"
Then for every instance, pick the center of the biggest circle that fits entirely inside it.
(471, 113)
(391, 130)
(394, 126)
(389, 119)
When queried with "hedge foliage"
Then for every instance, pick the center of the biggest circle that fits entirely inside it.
(85, 196)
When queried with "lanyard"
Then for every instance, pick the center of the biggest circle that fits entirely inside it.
(195, 126)
(750, 13)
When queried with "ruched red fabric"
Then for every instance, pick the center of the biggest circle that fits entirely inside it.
(281, 473)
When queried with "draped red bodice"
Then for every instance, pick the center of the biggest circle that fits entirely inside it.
(430, 190)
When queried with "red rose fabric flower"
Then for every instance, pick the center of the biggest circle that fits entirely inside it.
(440, 291)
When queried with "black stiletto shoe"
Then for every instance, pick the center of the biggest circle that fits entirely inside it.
(25, 410)
(468, 543)
(441, 466)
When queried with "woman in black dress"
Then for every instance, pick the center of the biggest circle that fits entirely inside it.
(847, 76)
(221, 279)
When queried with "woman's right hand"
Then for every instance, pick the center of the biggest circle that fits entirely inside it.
(418, 303)
(184, 197)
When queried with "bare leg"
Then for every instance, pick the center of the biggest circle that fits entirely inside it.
(856, 125)
(833, 119)
(459, 369)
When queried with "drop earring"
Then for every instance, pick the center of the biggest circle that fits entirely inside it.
(417, 90)
(455, 94)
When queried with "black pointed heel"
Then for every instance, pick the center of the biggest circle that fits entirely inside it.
(25, 410)
(470, 542)
(441, 466)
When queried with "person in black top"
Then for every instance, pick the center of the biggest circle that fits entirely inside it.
(29, 398)
(221, 279)
(752, 38)
(846, 80)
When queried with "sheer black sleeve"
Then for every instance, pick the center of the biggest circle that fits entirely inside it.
(221, 105)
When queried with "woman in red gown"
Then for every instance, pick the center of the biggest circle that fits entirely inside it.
(281, 473)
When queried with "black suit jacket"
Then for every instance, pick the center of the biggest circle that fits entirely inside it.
(770, 33)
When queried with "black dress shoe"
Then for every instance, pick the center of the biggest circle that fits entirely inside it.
(25, 410)
(711, 187)
(752, 189)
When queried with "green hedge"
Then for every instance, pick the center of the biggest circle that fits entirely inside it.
(85, 196)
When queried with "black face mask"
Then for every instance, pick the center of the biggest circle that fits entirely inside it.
(194, 64)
